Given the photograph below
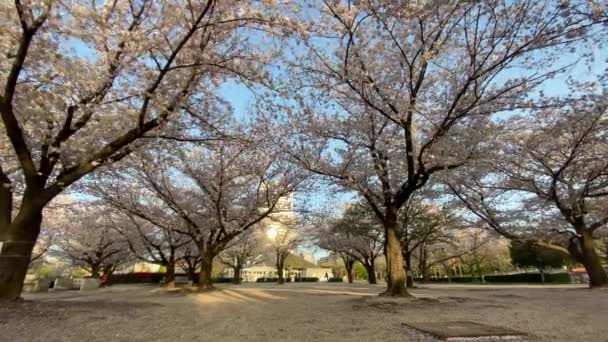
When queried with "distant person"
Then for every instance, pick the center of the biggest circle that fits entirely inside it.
(103, 281)
(326, 276)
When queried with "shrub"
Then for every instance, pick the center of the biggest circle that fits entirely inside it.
(136, 278)
(223, 280)
(272, 280)
(528, 278)
(307, 280)
(335, 280)
(533, 278)
(154, 278)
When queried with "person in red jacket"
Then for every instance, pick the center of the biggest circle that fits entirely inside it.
(103, 281)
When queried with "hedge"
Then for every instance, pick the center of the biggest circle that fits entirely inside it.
(288, 280)
(153, 278)
(528, 278)
(335, 280)
(223, 280)
(136, 278)
(272, 280)
(307, 280)
(557, 278)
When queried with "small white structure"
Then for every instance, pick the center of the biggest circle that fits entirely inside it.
(63, 284)
(89, 284)
(42, 285)
(323, 273)
(253, 273)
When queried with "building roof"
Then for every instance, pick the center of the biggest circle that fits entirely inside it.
(296, 261)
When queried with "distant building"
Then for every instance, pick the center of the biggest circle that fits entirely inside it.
(308, 257)
(295, 267)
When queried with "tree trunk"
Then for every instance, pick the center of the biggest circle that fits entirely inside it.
(423, 267)
(191, 269)
(426, 275)
(204, 277)
(170, 274)
(95, 270)
(280, 264)
(408, 270)
(108, 270)
(349, 270)
(371, 272)
(396, 287)
(592, 262)
(18, 240)
(237, 273)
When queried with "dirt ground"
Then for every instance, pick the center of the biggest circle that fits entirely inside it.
(300, 312)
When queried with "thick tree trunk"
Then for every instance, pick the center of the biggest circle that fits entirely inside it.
(592, 262)
(349, 270)
(108, 270)
(204, 277)
(191, 272)
(426, 275)
(237, 273)
(371, 272)
(95, 270)
(170, 274)
(280, 265)
(190, 265)
(396, 287)
(18, 241)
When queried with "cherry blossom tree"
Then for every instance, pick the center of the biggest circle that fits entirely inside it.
(422, 227)
(282, 238)
(85, 83)
(189, 260)
(56, 214)
(87, 240)
(242, 252)
(151, 230)
(391, 93)
(548, 182)
(211, 193)
(151, 242)
(358, 236)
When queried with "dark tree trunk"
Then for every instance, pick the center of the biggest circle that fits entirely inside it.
(204, 277)
(237, 273)
(18, 240)
(408, 269)
(191, 270)
(592, 262)
(95, 270)
(170, 274)
(422, 265)
(108, 270)
(371, 271)
(396, 287)
(349, 270)
(426, 275)
(190, 264)
(280, 265)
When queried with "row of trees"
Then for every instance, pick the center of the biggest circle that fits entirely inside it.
(100, 240)
(379, 97)
(431, 237)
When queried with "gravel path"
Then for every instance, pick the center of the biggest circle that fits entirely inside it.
(300, 312)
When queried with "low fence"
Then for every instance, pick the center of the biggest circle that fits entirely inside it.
(551, 278)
